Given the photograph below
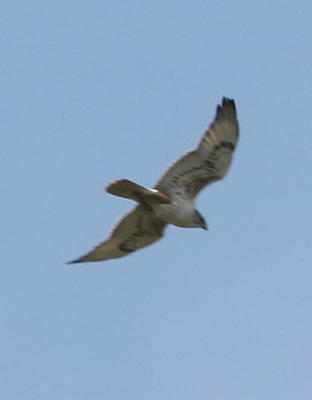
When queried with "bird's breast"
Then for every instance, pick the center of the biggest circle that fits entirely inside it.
(178, 214)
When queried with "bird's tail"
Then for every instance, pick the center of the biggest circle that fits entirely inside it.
(133, 191)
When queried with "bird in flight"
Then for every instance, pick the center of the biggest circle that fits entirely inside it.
(171, 200)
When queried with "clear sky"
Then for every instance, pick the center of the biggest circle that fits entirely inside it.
(93, 91)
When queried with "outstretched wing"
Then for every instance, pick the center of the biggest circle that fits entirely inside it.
(209, 162)
(135, 230)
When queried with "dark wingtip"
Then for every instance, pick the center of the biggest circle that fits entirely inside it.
(72, 262)
(226, 100)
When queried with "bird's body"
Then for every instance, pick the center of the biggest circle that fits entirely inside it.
(171, 200)
(179, 212)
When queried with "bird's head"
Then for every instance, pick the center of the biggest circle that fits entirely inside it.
(199, 220)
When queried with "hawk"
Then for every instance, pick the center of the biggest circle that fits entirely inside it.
(171, 200)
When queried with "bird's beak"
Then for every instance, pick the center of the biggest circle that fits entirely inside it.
(205, 227)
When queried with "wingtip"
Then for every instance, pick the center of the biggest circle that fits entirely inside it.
(226, 104)
(226, 100)
(72, 262)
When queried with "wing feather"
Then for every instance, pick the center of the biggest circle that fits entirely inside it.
(209, 162)
(135, 230)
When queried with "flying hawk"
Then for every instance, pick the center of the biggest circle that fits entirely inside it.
(171, 200)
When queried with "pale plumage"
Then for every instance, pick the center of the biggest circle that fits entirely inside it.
(171, 201)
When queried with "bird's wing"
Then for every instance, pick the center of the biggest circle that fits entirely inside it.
(209, 162)
(135, 230)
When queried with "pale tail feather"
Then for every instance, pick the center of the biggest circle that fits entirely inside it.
(133, 191)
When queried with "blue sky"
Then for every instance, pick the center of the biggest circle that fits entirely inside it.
(100, 90)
